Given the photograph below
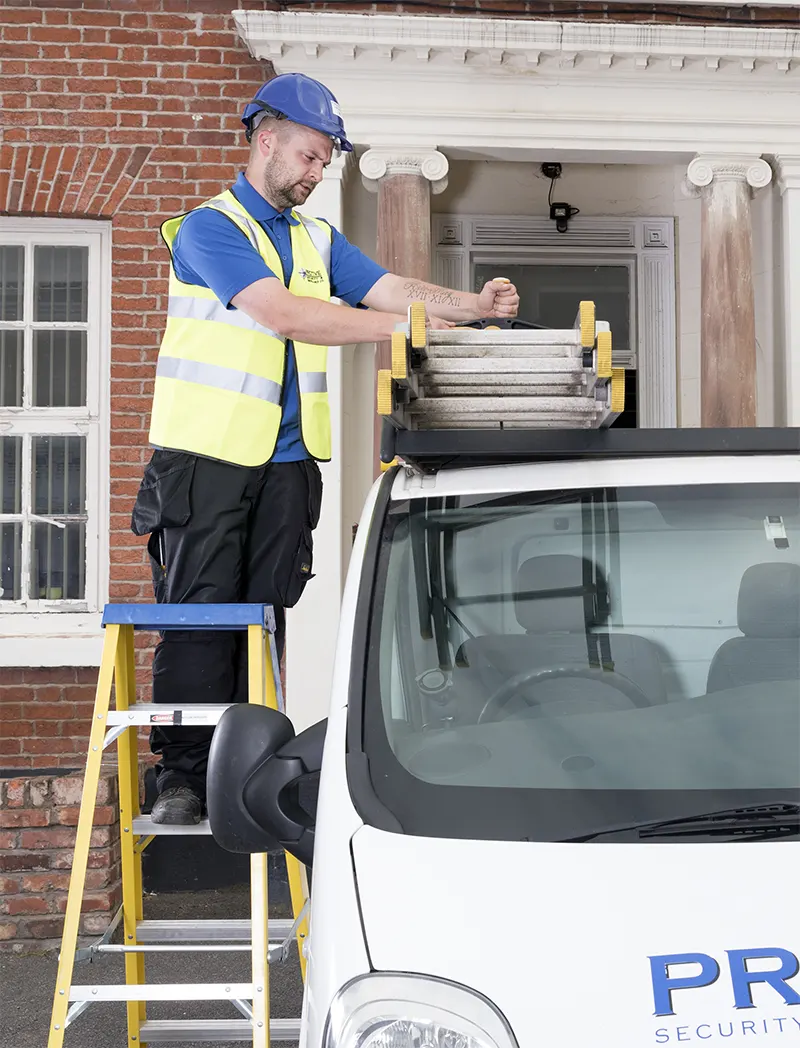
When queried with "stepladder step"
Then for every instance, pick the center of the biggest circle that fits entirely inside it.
(147, 713)
(182, 1030)
(145, 827)
(207, 931)
(228, 991)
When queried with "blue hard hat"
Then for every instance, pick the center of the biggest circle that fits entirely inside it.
(296, 97)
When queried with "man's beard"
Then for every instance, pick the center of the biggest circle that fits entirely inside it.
(281, 193)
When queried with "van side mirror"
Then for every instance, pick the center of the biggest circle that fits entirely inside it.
(255, 767)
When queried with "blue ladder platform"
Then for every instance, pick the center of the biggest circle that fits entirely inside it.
(190, 616)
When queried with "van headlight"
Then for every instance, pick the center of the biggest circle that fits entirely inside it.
(413, 1011)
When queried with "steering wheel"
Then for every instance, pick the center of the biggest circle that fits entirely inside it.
(614, 680)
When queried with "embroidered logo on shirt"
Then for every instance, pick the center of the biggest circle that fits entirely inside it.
(313, 276)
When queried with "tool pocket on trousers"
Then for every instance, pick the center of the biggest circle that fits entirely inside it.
(163, 500)
(314, 492)
(300, 571)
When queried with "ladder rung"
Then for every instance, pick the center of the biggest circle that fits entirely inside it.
(504, 351)
(501, 406)
(154, 713)
(164, 992)
(165, 1030)
(513, 385)
(469, 389)
(430, 383)
(504, 366)
(203, 931)
(145, 827)
(504, 337)
(491, 424)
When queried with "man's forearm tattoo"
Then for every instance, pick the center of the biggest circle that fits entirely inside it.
(437, 296)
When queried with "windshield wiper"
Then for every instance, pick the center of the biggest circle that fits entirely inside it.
(754, 821)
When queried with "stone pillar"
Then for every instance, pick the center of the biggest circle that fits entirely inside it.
(727, 331)
(403, 180)
(311, 626)
(788, 172)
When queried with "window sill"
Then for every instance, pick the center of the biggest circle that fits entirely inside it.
(50, 639)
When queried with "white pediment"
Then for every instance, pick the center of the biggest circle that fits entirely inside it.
(513, 44)
(495, 88)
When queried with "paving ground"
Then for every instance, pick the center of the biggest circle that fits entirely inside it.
(27, 982)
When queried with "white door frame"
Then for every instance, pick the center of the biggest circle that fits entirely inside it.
(649, 243)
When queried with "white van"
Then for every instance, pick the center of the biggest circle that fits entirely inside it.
(559, 801)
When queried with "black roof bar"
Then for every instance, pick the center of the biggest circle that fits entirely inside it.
(436, 449)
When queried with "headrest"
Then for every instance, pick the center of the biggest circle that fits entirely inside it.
(769, 601)
(563, 604)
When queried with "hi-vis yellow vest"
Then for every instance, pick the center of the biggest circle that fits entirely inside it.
(219, 376)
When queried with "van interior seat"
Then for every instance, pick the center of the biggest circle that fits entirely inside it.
(560, 612)
(768, 615)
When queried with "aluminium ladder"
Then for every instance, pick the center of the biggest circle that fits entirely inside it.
(140, 936)
(495, 378)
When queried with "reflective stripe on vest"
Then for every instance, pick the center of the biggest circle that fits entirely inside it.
(320, 241)
(313, 382)
(244, 219)
(219, 376)
(212, 309)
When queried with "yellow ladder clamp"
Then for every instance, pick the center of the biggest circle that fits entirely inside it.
(136, 831)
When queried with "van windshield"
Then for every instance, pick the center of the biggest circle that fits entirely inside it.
(548, 665)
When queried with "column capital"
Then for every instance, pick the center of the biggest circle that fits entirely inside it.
(787, 171)
(727, 167)
(379, 162)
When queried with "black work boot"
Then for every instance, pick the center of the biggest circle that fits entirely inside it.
(178, 806)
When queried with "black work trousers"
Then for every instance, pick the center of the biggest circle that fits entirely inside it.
(219, 534)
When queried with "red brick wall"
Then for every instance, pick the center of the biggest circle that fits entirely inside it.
(45, 716)
(37, 819)
(122, 110)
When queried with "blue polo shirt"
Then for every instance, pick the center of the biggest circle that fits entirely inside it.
(211, 251)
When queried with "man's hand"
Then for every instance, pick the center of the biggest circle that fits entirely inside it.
(498, 299)
(394, 294)
(437, 324)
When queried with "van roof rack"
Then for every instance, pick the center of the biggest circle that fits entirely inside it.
(433, 450)
(502, 392)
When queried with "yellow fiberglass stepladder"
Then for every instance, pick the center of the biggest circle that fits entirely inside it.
(251, 1000)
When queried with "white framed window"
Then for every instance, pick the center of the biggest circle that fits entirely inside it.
(54, 439)
(626, 265)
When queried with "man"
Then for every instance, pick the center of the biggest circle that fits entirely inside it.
(240, 413)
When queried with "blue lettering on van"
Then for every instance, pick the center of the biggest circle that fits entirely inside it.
(669, 974)
(741, 1030)
(742, 979)
(665, 983)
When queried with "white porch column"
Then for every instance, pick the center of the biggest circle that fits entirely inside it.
(311, 626)
(789, 185)
(728, 334)
(403, 179)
